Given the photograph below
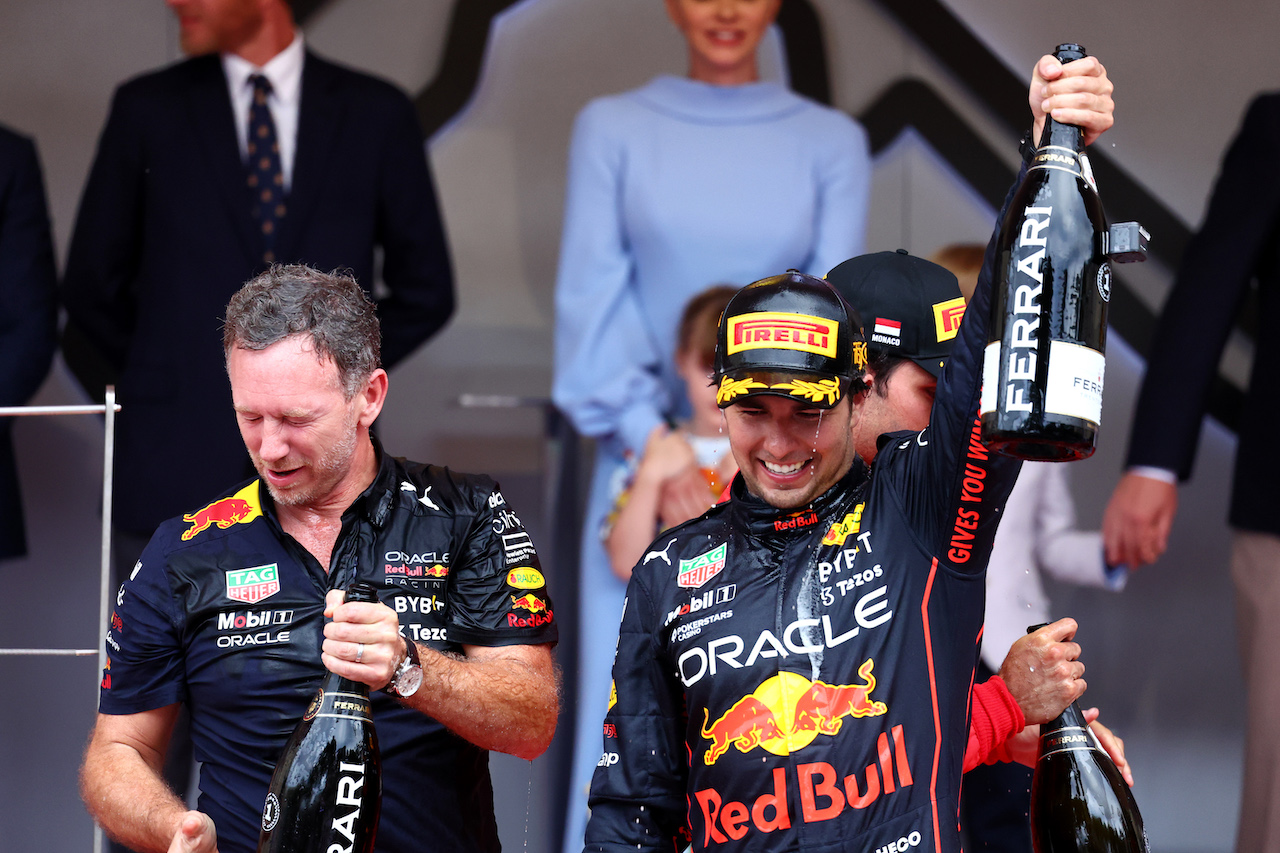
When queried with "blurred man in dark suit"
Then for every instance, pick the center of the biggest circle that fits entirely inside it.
(1239, 243)
(253, 151)
(28, 311)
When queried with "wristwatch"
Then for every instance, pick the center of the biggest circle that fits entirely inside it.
(408, 677)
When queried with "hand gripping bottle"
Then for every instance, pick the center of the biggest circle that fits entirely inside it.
(1043, 366)
(326, 793)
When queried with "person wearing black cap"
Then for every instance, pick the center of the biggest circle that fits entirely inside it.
(911, 310)
(793, 671)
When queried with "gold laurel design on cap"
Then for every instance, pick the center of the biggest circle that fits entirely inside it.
(730, 388)
(814, 392)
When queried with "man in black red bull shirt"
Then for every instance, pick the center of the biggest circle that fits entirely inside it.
(799, 680)
(236, 610)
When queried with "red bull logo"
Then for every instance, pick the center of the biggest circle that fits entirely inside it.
(240, 508)
(825, 791)
(436, 571)
(746, 725)
(529, 602)
(795, 521)
(823, 706)
(539, 613)
(786, 713)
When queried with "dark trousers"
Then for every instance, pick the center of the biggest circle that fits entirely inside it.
(995, 804)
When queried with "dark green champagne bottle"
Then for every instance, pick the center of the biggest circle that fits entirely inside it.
(1079, 800)
(326, 792)
(1044, 362)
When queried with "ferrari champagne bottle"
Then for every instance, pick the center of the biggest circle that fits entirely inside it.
(1043, 365)
(1079, 800)
(326, 793)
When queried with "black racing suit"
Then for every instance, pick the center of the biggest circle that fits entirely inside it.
(225, 612)
(801, 681)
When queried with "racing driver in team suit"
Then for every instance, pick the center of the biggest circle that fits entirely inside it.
(793, 669)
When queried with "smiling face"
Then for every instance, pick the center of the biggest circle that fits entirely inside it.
(723, 36)
(789, 453)
(307, 441)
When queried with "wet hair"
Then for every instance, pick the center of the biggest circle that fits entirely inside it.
(330, 308)
(882, 366)
(696, 333)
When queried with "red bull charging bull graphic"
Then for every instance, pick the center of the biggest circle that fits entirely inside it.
(529, 602)
(539, 612)
(787, 712)
(240, 508)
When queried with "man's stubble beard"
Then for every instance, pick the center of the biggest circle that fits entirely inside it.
(328, 471)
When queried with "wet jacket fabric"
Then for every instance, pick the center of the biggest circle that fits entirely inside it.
(801, 680)
(224, 612)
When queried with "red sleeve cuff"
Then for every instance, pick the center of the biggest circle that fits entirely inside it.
(994, 717)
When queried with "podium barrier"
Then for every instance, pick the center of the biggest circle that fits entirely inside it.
(108, 409)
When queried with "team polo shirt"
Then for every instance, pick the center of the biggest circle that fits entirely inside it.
(224, 613)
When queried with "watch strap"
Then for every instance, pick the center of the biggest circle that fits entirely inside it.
(409, 661)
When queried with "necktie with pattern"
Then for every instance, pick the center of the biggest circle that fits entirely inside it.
(266, 178)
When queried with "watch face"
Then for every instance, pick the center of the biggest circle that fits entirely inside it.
(408, 681)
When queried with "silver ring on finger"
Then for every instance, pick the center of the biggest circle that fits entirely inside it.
(359, 652)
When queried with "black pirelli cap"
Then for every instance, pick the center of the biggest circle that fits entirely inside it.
(910, 307)
(789, 335)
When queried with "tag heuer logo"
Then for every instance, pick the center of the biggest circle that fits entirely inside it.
(702, 568)
(253, 585)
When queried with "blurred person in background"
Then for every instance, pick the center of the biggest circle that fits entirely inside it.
(644, 505)
(253, 151)
(1236, 248)
(28, 311)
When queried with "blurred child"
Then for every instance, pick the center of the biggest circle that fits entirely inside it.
(648, 496)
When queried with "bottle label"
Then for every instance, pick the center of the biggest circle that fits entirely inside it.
(1104, 282)
(270, 812)
(1067, 739)
(1075, 381)
(1058, 157)
(338, 704)
(990, 378)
